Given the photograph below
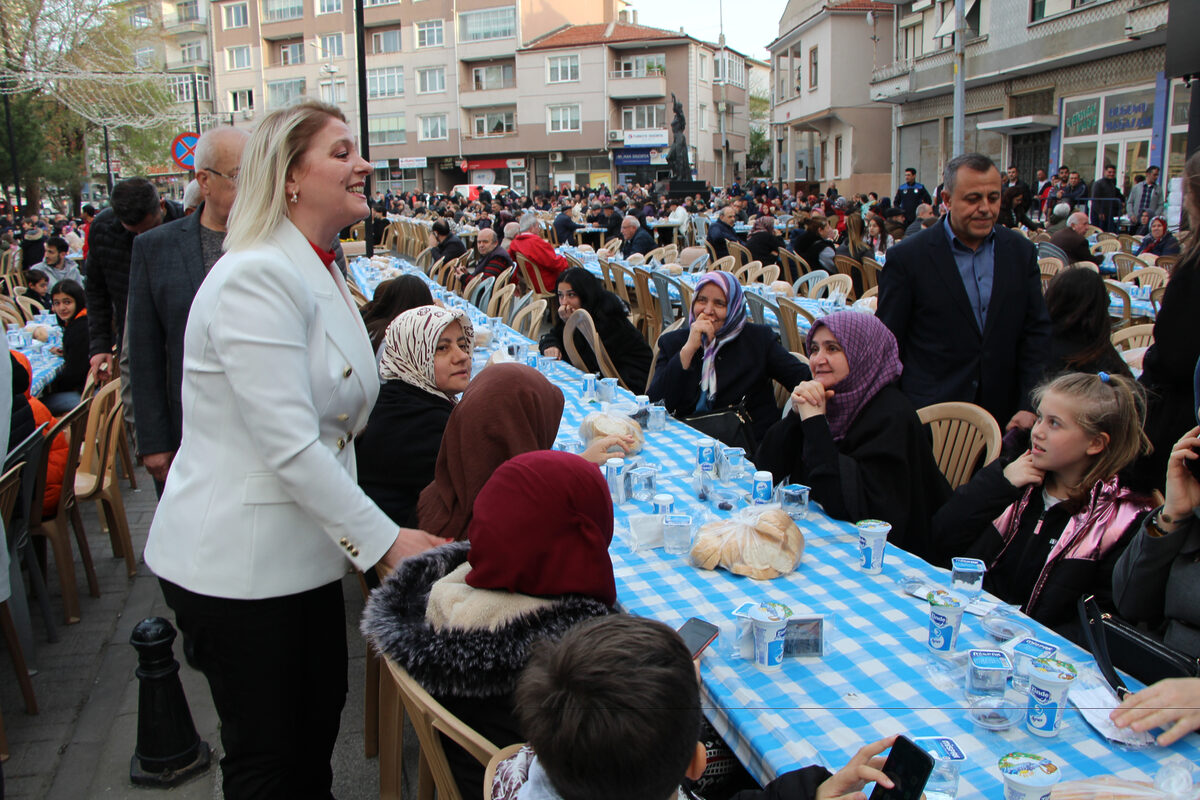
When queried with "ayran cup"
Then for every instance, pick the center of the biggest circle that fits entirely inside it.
(1028, 776)
(872, 537)
(1049, 681)
(945, 618)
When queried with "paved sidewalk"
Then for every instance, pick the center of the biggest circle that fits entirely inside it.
(80, 744)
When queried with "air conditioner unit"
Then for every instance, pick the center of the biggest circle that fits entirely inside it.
(556, 157)
(616, 136)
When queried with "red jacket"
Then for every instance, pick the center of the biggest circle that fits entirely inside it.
(541, 253)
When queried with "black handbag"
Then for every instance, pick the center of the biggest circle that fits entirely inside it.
(730, 426)
(1115, 643)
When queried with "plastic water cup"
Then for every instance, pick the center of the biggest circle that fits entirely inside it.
(608, 390)
(872, 537)
(948, 759)
(1025, 652)
(658, 418)
(589, 387)
(641, 482)
(966, 577)
(614, 474)
(945, 618)
(987, 672)
(770, 628)
(1028, 776)
(677, 534)
(794, 499)
(1049, 681)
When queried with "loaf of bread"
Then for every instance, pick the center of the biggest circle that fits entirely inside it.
(597, 425)
(760, 544)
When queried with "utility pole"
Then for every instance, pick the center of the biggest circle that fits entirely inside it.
(196, 105)
(364, 131)
(724, 104)
(960, 31)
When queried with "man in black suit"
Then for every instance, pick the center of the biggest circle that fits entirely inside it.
(166, 269)
(964, 300)
(564, 226)
(637, 239)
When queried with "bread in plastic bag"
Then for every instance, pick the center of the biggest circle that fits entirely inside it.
(761, 542)
(599, 424)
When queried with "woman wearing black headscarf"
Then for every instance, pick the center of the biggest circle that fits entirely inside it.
(579, 289)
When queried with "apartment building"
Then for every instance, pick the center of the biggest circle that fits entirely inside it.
(1048, 82)
(825, 127)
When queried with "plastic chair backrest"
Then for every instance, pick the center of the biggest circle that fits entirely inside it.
(808, 280)
(581, 322)
(481, 292)
(789, 314)
(961, 431)
(500, 300)
(10, 490)
(1153, 277)
(528, 320)
(1133, 336)
(741, 253)
(662, 285)
(28, 451)
(74, 423)
(1118, 291)
(647, 304)
(102, 404)
(756, 305)
(833, 283)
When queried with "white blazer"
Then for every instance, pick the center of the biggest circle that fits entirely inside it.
(278, 380)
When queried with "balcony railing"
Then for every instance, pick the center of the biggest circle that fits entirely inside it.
(645, 72)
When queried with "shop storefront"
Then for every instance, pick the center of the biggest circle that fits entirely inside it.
(1114, 128)
(399, 174)
(643, 159)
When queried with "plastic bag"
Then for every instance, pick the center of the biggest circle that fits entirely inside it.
(598, 424)
(1110, 787)
(761, 542)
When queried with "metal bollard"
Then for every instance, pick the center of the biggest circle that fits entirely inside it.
(169, 751)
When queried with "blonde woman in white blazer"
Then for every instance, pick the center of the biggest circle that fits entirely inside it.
(261, 515)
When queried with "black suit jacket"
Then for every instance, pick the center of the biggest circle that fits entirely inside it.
(946, 356)
(642, 242)
(166, 269)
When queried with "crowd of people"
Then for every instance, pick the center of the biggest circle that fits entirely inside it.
(292, 434)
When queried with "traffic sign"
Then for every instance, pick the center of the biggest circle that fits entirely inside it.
(183, 150)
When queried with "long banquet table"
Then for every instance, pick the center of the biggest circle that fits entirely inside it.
(876, 678)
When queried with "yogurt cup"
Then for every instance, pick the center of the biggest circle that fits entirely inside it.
(770, 630)
(945, 618)
(1049, 680)
(1028, 776)
(763, 489)
(872, 536)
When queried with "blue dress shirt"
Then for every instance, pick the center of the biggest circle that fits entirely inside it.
(976, 268)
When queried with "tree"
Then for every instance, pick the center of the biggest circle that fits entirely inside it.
(760, 112)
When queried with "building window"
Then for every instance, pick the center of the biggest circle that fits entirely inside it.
(241, 100)
(331, 45)
(143, 57)
(333, 92)
(188, 10)
(837, 157)
(382, 2)
(812, 68)
(386, 41)
(640, 66)
(729, 67)
(329, 6)
(703, 121)
(283, 93)
(429, 34)
(279, 10)
(495, 123)
(637, 118)
(431, 79)
(191, 52)
(180, 87)
(564, 119)
(139, 17)
(236, 16)
(1040, 9)
(497, 76)
(562, 69)
(385, 82)
(703, 68)
(388, 129)
(238, 57)
(291, 53)
(491, 23)
(433, 127)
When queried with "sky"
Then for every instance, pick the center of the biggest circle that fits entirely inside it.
(749, 33)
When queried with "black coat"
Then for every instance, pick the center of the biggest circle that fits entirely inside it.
(564, 229)
(718, 234)
(625, 346)
(764, 246)
(21, 421)
(450, 247)
(882, 469)
(745, 368)
(76, 362)
(642, 242)
(397, 450)
(946, 356)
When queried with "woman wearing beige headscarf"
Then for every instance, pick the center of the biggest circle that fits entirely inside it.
(425, 362)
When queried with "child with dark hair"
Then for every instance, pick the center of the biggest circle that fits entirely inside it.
(38, 284)
(70, 306)
(613, 710)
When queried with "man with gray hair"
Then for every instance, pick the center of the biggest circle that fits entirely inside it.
(491, 259)
(191, 196)
(637, 239)
(964, 301)
(1072, 239)
(166, 269)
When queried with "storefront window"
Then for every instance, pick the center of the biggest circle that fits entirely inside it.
(1081, 118)
(1181, 104)
(1113, 129)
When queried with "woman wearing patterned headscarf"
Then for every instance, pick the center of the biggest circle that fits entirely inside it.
(721, 359)
(763, 242)
(854, 437)
(424, 362)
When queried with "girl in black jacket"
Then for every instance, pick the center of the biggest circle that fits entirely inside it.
(70, 305)
(577, 288)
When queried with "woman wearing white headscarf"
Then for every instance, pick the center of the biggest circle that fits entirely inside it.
(425, 361)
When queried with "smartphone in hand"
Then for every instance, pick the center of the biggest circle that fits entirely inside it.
(909, 767)
(697, 635)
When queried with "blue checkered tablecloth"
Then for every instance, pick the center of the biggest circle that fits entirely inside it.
(876, 677)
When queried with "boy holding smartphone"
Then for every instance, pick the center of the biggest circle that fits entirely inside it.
(613, 710)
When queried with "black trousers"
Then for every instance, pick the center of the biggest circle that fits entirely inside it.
(277, 671)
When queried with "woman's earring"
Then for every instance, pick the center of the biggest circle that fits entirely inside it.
(295, 196)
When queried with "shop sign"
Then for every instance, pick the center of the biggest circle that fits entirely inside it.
(640, 156)
(413, 162)
(380, 164)
(514, 163)
(654, 137)
(447, 164)
(1081, 118)
(1129, 112)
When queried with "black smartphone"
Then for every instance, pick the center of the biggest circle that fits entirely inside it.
(909, 767)
(697, 635)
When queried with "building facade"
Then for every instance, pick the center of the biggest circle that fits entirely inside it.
(825, 127)
(1048, 82)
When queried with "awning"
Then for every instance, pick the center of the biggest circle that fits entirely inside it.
(497, 163)
(947, 26)
(1033, 123)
